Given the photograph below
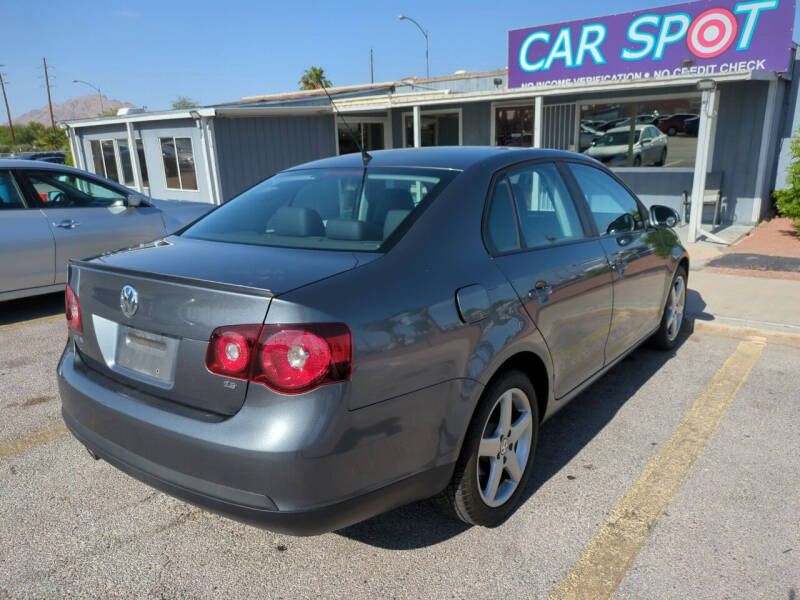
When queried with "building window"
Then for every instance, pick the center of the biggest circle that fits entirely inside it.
(370, 135)
(513, 125)
(436, 130)
(178, 158)
(142, 163)
(125, 161)
(104, 160)
(658, 132)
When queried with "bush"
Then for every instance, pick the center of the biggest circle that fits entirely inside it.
(788, 200)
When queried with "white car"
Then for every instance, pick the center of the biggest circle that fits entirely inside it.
(649, 147)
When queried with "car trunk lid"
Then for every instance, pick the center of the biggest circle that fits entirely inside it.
(182, 290)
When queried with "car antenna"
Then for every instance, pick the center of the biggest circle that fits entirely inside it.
(365, 156)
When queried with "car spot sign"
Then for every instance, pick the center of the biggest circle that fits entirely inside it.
(704, 38)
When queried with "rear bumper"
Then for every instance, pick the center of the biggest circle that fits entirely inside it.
(303, 465)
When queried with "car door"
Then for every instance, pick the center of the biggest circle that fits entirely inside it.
(88, 217)
(539, 241)
(27, 248)
(639, 261)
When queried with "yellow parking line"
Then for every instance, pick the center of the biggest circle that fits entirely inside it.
(607, 557)
(31, 441)
(30, 322)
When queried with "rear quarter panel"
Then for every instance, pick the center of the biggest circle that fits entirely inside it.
(401, 308)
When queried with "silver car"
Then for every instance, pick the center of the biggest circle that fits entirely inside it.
(649, 146)
(51, 213)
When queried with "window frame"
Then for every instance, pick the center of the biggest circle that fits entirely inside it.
(433, 113)
(178, 164)
(575, 188)
(509, 104)
(579, 202)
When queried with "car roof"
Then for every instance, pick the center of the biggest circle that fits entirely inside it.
(22, 163)
(440, 157)
(639, 127)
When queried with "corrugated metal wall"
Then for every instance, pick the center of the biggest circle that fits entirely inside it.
(250, 149)
(737, 145)
(558, 126)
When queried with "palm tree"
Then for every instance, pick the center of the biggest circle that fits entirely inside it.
(313, 79)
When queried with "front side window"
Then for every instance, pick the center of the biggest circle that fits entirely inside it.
(65, 190)
(547, 214)
(613, 208)
(328, 209)
(10, 196)
(178, 157)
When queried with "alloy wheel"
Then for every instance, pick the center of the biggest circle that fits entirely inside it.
(505, 447)
(675, 307)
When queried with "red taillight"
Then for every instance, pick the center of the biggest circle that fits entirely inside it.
(230, 350)
(74, 320)
(286, 358)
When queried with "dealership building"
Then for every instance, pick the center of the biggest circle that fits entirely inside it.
(711, 84)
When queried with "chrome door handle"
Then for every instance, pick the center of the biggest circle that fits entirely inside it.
(67, 224)
(541, 291)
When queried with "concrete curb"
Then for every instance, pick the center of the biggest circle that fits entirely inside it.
(743, 331)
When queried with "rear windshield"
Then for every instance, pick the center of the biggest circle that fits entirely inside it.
(325, 208)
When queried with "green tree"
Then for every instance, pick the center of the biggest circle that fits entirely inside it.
(788, 200)
(183, 102)
(314, 78)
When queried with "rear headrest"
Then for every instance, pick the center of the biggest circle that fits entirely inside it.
(298, 222)
(348, 229)
(393, 219)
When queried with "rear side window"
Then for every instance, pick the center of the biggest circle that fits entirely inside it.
(547, 214)
(325, 208)
(613, 208)
(501, 222)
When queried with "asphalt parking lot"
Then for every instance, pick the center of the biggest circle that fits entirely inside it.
(675, 476)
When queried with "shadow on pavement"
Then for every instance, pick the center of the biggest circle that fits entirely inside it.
(560, 439)
(696, 306)
(24, 309)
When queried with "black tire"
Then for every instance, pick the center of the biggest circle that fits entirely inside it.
(667, 335)
(637, 161)
(463, 497)
(672, 131)
(663, 158)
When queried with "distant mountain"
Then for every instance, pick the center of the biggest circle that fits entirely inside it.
(74, 108)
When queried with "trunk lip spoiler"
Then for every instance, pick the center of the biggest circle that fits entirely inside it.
(178, 279)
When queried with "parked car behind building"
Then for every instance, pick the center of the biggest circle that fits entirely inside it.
(674, 124)
(649, 147)
(51, 213)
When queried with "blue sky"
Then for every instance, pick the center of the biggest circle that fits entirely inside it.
(148, 52)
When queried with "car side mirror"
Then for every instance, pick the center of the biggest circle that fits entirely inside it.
(664, 216)
(134, 201)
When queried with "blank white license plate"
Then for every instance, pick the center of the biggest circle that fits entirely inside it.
(149, 354)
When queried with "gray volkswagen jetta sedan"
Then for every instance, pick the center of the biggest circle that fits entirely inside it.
(340, 340)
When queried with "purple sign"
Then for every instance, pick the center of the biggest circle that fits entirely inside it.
(705, 38)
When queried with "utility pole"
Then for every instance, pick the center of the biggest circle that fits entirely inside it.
(49, 98)
(371, 67)
(8, 112)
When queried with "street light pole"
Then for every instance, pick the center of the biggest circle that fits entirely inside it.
(94, 87)
(425, 33)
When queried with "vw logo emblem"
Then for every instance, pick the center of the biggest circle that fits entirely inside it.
(129, 301)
